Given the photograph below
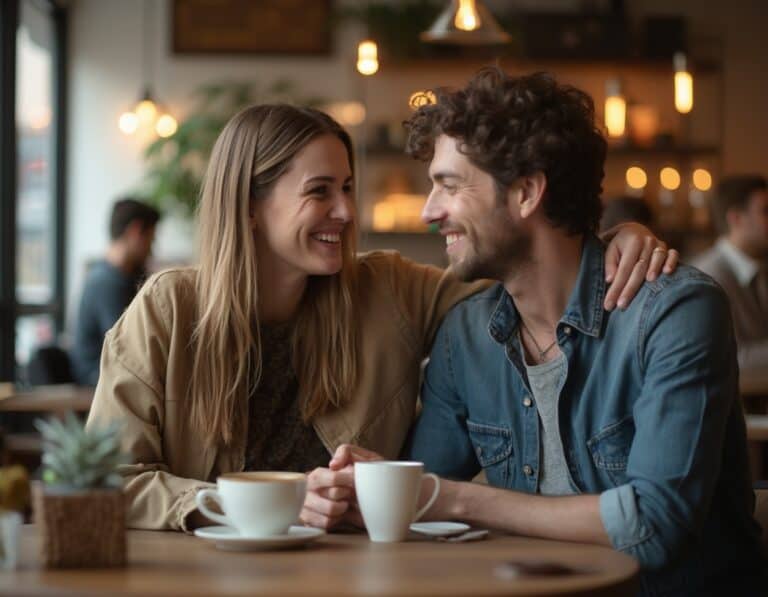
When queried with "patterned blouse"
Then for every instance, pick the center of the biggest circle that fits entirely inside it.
(278, 439)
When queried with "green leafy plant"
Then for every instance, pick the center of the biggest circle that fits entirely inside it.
(175, 164)
(76, 458)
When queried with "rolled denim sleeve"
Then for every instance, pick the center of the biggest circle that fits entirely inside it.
(439, 437)
(687, 356)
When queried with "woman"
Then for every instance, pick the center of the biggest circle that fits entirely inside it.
(282, 344)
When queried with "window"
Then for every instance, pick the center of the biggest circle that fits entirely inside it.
(32, 207)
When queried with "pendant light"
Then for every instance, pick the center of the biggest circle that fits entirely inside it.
(466, 22)
(147, 114)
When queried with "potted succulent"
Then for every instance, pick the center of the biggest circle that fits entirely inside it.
(14, 499)
(80, 505)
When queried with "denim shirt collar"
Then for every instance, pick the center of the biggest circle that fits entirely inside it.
(584, 311)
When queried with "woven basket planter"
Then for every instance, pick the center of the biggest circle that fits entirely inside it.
(81, 529)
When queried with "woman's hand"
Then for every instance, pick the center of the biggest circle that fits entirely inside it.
(331, 491)
(329, 494)
(633, 255)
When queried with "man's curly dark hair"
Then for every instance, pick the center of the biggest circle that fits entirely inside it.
(515, 126)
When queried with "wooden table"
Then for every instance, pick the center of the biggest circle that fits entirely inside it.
(57, 399)
(168, 563)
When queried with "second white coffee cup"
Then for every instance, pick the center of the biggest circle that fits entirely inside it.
(256, 504)
(387, 493)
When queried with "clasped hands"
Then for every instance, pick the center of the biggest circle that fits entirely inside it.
(331, 491)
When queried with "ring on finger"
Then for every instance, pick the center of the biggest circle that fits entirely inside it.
(659, 250)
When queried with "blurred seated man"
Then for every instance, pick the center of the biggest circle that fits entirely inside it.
(739, 261)
(111, 283)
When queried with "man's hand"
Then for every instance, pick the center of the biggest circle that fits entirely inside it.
(329, 494)
(633, 255)
(347, 454)
(331, 491)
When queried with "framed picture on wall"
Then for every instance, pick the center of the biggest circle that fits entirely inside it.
(251, 26)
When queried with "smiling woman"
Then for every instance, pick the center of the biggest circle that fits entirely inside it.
(283, 343)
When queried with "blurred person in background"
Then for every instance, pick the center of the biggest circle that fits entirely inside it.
(739, 262)
(111, 283)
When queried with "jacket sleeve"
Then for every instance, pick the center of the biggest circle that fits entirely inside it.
(131, 391)
(424, 294)
(687, 354)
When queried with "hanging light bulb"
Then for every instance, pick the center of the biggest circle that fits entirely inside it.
(166, 125)
(683, 84)
(367, 57)
(669, 178)
(615, 109)
(702, 179)
(466, 17)
(146, 109)
(636, 178)
(466, 22)
(128, 123)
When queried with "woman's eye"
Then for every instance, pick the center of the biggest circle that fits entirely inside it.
(347, 188)
(318, 191)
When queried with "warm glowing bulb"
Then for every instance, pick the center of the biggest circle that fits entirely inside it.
(669, 178)
(636, 177)
(421, 98)
(128, 123)
(683, 92)
(146, 111)
(467, 18)
(702, 179)
(683, 85)
(166, 125)
(615, 115)
(367, 57)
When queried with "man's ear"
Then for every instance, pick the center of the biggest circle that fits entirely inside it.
(529, 193)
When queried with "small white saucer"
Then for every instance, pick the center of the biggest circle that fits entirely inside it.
(229, 539)
(439, 529)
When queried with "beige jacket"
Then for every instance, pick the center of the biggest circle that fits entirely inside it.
(146, 365)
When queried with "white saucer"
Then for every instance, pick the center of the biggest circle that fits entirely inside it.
(229, 539)
(439, 529)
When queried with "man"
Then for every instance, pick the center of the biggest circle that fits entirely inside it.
(112, 283)
(618, 428)
(739, 262)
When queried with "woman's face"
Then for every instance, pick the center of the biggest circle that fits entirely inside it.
(299, 227)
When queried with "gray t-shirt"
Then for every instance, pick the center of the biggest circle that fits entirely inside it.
(546, 380)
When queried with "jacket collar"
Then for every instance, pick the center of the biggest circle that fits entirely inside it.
(584, 310)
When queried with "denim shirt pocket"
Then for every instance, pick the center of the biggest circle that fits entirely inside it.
(493, 449)
(610, 449)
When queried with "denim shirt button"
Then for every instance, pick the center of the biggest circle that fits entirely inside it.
(527, 401)
(567, 330)
(527, 470)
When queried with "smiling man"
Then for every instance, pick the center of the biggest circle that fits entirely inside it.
(620, 428)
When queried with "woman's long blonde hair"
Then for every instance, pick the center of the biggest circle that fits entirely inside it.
(255, 148)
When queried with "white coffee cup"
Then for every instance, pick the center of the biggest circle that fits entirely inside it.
(387, 492)
(256, 504)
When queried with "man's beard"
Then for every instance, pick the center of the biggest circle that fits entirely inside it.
(499, 254)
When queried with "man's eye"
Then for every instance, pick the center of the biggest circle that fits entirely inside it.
(347, 188)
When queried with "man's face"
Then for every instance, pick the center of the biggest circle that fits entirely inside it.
(140, 242)
(751, 225)
(483, 240)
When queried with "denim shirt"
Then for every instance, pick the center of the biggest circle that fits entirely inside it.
(649, 419)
